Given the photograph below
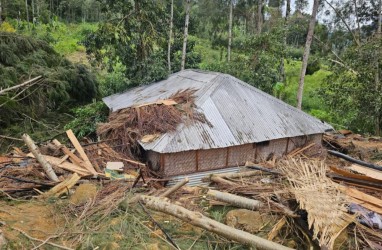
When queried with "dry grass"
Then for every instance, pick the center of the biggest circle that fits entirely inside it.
(318, 195)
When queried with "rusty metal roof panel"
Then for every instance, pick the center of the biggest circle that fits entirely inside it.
(238, 113)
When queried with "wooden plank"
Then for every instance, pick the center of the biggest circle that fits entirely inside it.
(81, 151)
(63, 187)
(355, 176)
(367, 171)
(361, 196)
(65, 165)
(74, 159)
(63, 159)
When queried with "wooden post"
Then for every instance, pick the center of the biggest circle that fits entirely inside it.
(40, 158)
(199, 220)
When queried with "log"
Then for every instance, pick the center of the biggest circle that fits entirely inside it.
(220, 180)
(81, 151)
(174, 188)
(40, 158)
(238, 175)
(235, 200)
(351, 159)
(63, 187)
(199, 220)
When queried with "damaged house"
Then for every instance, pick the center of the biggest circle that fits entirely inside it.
(234, 123)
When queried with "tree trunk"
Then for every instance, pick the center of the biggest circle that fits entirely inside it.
(27, 10)
(377, 80)
(33, 17)
(230, 31)
(282, 66)
(40, 158)
(188, 7)
(305, 58)
(199, 220)
(259, 16)
(1, 13)
(170, 37)
(174, 188)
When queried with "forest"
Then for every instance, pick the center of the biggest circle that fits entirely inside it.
(321, 56)
(219, 165)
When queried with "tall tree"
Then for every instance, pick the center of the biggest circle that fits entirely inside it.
(259, 16)
(188, 8)
(230, 31)
(170, 36)
(377, 70)
(1, 13)
(282, 67)
(305, 58)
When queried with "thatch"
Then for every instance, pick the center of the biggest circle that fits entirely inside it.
(127, 126)
(319, 196)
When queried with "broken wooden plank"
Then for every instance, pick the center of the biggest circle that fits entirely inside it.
(366, 171)
(298, 151)
(81, 151)
(63, 187)
(361, 196)
(199, 220)
(235, 200)
(355, 176)
(74, 159)
(276, 228)
(67, 156)
(65, 165)
(40, 158)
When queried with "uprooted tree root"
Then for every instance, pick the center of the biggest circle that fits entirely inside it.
(127, 126)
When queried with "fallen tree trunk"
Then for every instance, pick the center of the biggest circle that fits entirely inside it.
(351, 159)
(199, 220)
(235, 200)
(40, 158)
(174, 188)
(222, 181)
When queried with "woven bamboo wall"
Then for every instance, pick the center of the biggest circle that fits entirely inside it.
(212, 159)
(238, 155)
(275, 148)
(179, 163)
(202, 160)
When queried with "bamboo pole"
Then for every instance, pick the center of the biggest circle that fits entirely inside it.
(199, 220)
(235, 200)
(40, 158)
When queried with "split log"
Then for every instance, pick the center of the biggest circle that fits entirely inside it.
(40, 158)
(174, 188)
(81, 151)
(199, 220)
(63, 187)
(235, 200)
(351, 159)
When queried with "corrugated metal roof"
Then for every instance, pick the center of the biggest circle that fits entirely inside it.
(239, 113)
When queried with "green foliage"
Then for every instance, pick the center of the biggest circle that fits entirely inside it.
(132, 35)
(351, 91)
(87, 117)
(63, 83)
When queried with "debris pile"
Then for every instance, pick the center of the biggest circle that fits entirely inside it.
(148, 121)
(305, 200)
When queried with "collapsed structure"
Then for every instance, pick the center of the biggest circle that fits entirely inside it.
(239, 123)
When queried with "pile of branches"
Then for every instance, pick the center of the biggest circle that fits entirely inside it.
(127, 126)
